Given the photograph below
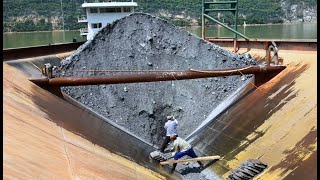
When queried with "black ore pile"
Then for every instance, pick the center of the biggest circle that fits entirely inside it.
(143, 42)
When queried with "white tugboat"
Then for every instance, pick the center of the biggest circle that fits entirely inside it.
(100, 14)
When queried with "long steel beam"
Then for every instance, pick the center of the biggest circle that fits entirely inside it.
(287, 44)
(154, 77)
(35, 51)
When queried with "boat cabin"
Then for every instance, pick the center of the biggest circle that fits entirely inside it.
(99, 14)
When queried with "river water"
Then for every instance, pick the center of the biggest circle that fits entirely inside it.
(26, 39)
(272, 31)
(277, 31)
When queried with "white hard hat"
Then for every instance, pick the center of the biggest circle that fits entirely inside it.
(170, 117)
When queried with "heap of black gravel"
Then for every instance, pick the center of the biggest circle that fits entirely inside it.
(143, 42)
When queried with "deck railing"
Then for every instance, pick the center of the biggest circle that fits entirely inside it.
(82, 19)
(83, 31)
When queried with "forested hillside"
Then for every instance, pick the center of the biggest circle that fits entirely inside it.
(46, 15)
(40, 15)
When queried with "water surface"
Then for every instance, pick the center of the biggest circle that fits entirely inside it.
(275, 31)
(26, 39)
(279, 31)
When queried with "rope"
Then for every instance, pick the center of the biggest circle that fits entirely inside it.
(37, 67)
(128, 70)
(256, 86)
(226, 71)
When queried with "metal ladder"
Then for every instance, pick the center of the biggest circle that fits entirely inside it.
(207, 7)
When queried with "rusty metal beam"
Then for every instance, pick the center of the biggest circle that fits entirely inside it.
(35, 51)
(154, 77)
(283, 44)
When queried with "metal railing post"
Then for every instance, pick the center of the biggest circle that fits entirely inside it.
(234, 9)
(203, 22)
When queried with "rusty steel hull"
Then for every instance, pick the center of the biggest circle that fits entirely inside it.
(297, 44)
(35, 51)
(276, 123)
(62, 140)
(282, 44)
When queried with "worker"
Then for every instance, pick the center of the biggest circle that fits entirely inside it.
(171, 129)
(182, 148)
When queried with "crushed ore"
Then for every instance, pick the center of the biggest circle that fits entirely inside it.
(144, 42)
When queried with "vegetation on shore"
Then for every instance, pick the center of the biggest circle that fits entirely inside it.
(46, 15)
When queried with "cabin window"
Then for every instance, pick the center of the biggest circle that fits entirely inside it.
(117, 9)
(93, 10)
(127, 9)
(96, 25)
(109, 10)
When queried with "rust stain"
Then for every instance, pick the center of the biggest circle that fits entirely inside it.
(302, 171)
(244, 117)
(296, 155)
(284, 112)
(267, 123)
